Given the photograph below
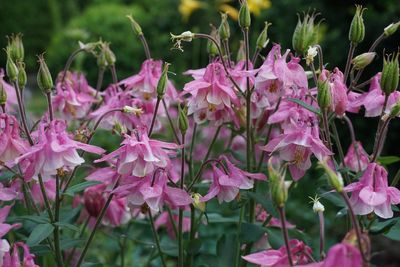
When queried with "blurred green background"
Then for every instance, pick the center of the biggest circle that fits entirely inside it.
(57, 26)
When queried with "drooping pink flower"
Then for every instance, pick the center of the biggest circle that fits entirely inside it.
(5, 227)
(372, 193)
(342, 254)
(338, 90)
(163, 220)
(356, 159)
(13, 259)
(211, 96)
(227, 182)
(74, 96)
(11, 143)
(277, 77)
(278, 258)
(374, 99)
(52, 150)
(296, 146)
(139, 155)
(7, 193)
(144, 84)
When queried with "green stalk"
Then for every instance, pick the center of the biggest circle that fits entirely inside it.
(180, 222)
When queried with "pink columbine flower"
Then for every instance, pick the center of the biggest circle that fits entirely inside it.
(74, 97)
(228, 181)
(11, 143)
(338, 90)
(374, 99)
(342, 254)
(372, 193)
(211, 96)
(139, 155)
(53, 149)
(143, 85)
(13, 259)
(163, 220)
(37, 196)
(277, 78)
(356, 161)
(154, 191)
(5, 227)
(7, 193)
(278, 258)
(296, 146)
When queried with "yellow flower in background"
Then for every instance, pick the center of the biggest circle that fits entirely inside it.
(187, 7)
(256, 6)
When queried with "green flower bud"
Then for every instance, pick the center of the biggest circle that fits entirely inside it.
(305, 34)
(324, 93)
(395, 111)
(183, 122)
(357, 27)
(11, 68)
(212, 49)
(363, 60)
(109, 55)
(3, 94)
(44, 79)
(335, 179)
(201, 206)
(262, 39)
(390, 74)
(102, 61)
(17, 47)
(21, 75)
(241, 54)
(224, 30)
(279, 190)
(163, 82)
(135, 26)
(391, 29)
(244, 15)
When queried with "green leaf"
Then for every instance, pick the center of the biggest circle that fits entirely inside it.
(68, 215)
(80, 187)
(39, 250)
(304, 105)
(275, 237)
(265, 202)
(387, 160)
(40, 232)
(394, 232)
(193, 246)
(70, 243)
(383, 227)
(33, 218)
(67, 226)
(250, 232)
(226, 247)
(169, 247)
(217, 218)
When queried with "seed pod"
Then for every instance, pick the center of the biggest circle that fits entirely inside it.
(183, 122)
(22, 78)
(391, 29)
(324, 98)
(17, 47)
(390, 74)
(135, 26)
(279, 192)
(305, 34)
(44, 79)
(224, 30)
(163, 82)
(357, 27)
(3, 94)
(11, 68)
(109, 55)
(262, 39)
(363, 60)
(244, 15)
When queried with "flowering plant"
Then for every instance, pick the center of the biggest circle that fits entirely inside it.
(242, 136)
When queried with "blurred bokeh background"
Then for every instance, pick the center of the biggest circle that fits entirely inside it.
(55, 27)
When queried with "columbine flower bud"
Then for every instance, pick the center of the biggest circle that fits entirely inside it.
(163, 82)
(3, 95)
(44, 79)
(94, 202)
(11, 68)
(390, 74)
(357, 28)
(201, 206)
(363, 60)
(241, 54)
(324, 98)
(183, 122)
(279, 190)
(17, 47)
(212, 48)
(21, 75)
(312, 52)
(244, 15)
(262, 39)
(391, 29)
(135, 26)
(109, 55)
(305, 34)
(335, 179)
(224, 30)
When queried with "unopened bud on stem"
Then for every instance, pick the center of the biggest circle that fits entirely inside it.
(324, 98)
(3, 94)
(335, 179)
(305, 34)
(135, 26)
(163, 81)
(391, 29)
(244, 15)
(183, 122)
(224, 30)
(390, 73)
(44, 79)
(278, 187)
(11, 68)
(363, 60)
(22, 78)
(16, 47)
(357, 28)
(262, 39)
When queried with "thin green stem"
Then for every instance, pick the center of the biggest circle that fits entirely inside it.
(153, 120)
(50, 106)
(191, 234)
(145, 45)
(22, 113)
(191, 167)
(170, 122)
(348, 63)
(114, 74)
(281, 211)
(180, 221)
(212, 144)
(56, 232)
(156, 239)
(239, 229)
